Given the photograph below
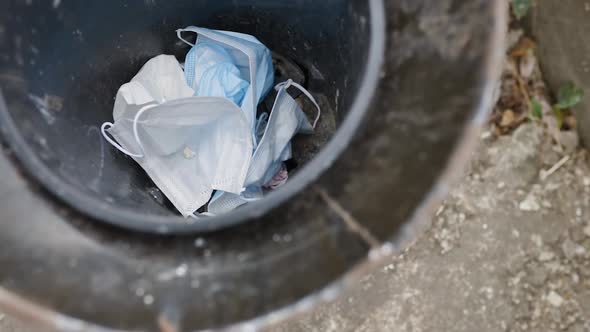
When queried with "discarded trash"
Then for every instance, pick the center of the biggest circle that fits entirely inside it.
(286, 120)
(212, 130)
(210, 71)
(159, 80)
(248, 54)
(195, 132)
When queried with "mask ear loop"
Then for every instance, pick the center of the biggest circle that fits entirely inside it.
(285, 85)
(104, 128)
(179, 34)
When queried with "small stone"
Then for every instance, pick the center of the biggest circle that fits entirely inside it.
(569, 249)
(148, 299)
(530, 203)
(569, 140)
(546, 256)
(537, 275)
(485, 135)
(587, 230)
(587, 181)
(515, 233)
(579, 212)
(440, 210)
(554, 299)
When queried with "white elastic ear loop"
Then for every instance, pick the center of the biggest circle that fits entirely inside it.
(285, 85)
(104, 126)
(103, 129)
(263, 117)
(179, 34)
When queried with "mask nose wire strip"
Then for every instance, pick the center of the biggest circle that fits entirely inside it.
(285, 85)
(179, 34)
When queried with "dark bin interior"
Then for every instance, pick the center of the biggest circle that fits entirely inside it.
(63, 62)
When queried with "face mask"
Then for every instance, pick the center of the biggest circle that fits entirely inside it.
(286, 120)
(211, 72)
(160, 79)
(249, 55)
(189, 147)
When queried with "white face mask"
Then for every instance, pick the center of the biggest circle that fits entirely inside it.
(189, 147)
(249, 55)
(160, 79)
(180, 143)
(285, 121)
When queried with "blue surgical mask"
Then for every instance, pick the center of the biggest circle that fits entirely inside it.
(285, 121)
(211, 72)
(248, 55)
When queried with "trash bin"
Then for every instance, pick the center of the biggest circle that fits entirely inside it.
(89, 241)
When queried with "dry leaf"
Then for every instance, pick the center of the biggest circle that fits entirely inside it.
(522, 47)
(508, 118)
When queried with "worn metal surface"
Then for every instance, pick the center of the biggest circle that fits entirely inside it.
(435, 87)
